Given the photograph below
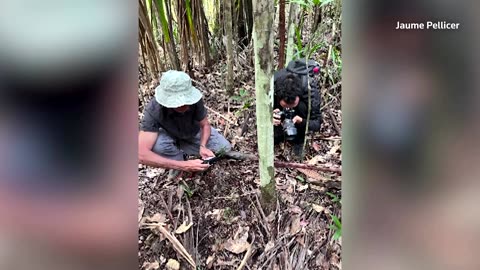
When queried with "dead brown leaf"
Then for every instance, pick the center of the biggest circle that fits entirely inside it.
(150, 265)
(183, 228)
(335, 148)
(295, 227)
(316, 146)
(173, 264)
(318, 208)
(157, 218)
(216, 213)
(311, 174)
(210, 260)
(316, 159)
(239, 242)
(269, 245)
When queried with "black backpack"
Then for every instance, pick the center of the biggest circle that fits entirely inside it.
(310, 74)
(299, 67)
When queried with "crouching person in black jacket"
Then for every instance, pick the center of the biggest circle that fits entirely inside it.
(291, 105)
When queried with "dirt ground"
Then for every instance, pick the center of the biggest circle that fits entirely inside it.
(217, 216)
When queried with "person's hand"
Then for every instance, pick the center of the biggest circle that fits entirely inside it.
(194, 165)
(297, 119)
(276, 117)
(206, 153)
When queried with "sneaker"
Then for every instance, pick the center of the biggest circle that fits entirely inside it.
(298, 150)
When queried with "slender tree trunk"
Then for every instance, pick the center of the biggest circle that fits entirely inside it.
(205, 35)
(248, 7)
(184, 34)
(281, 33)
(228, 29)
(172, 48)
(264, 12)
(292, 18)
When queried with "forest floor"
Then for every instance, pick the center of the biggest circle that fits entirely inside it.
(217, 217)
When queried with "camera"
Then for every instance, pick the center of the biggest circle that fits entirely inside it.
(288, 126)
(211, 160)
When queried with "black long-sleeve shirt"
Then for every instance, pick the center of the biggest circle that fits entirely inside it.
(302, 108)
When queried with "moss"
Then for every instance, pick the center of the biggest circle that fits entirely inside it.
(269, 195)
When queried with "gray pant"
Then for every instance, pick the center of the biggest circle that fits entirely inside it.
(171, 148)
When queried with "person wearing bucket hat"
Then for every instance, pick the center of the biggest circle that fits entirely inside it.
(175, 125)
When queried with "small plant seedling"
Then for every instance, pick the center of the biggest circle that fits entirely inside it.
(334, 197)
(246, 100)
(301, 179)
(187, 190)
(336, 226)
(228, 213)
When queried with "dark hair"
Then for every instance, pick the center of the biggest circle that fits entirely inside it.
(288, 87)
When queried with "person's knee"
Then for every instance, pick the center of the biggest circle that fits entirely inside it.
(166, 149)
(220, 143)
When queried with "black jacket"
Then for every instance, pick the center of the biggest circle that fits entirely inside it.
(302, 108)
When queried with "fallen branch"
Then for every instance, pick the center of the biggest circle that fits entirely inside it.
(281, 164)
(244, 156)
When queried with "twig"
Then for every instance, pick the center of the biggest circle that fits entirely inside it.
(261, 208)
(330, 138)
(218, 114)
(247, 255)
(334, 121)
(260, 218)
(166, 207)
(335, 86)
(177, 245)
(235, 196)
(245, 123)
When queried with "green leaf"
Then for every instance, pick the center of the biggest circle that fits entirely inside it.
(299, 42)
(326, 3)
(299, 178)
(236, 98)
(187, 190)
(163, 19)
(337, 235)
(333, 196)
(190, 20)
(243, 92)
(336, 221)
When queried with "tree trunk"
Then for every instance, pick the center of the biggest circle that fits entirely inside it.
(281, 33)
(228, 29)
(172, 49)
(292, 18)
(248, 8)
(263, 47)
(202, 20)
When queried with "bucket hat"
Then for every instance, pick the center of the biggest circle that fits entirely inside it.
(176, 90)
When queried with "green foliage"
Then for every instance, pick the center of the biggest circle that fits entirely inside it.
(336, 226)
(311, 3)
(334, 197)
(163, 19)
(298, 34)
(245, 99)
(301, 179)
(228, 213)
(187, 190)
